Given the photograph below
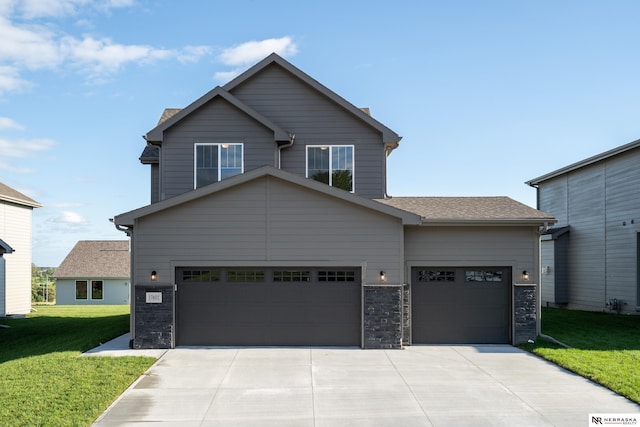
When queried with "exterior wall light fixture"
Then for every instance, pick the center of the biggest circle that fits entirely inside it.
(154, 276)
(383, 276)
(525, 275)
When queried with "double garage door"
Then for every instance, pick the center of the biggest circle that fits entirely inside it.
(268, 306)
(461, 305)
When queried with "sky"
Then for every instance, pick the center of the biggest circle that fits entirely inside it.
(486, 94)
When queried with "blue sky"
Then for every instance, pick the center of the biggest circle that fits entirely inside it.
(486, 94)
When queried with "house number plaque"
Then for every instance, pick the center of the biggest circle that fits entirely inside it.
(154, 297)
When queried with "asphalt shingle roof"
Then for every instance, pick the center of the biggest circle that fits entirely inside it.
(96, 258)
(8, 194)
(466, 208)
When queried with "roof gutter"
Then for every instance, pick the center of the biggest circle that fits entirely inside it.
(125, 229)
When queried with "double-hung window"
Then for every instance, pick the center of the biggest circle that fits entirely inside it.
(215, 162)
(331, 164)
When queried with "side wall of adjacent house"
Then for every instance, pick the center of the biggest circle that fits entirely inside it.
(15, 230)
(115, 292)
(599, 203)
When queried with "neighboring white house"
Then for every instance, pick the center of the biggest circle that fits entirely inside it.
(94, 272)
(15, 251)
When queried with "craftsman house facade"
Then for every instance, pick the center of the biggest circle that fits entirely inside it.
(95, 272)
(590, 259)
(269, 224)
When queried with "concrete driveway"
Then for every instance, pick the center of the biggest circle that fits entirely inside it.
(419, 386)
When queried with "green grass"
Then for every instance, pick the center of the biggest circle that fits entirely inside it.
(43, 382)
(605, 347)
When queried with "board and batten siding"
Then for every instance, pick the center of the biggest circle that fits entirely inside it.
(600, 203)
(15, 230)
(216, 122)
(268, 222)
(473, 246)
(315, 120)
(548, 278)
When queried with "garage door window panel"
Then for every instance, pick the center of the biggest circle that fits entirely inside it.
(291, 276)
(201, 275)
(483, 275)
(336, 276)
(436, 276)
(245, 276)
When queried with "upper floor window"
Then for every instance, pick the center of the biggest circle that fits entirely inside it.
(331, 164)
(215, 162)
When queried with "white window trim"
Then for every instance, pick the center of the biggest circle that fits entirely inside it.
(219, 145)
(329, 147)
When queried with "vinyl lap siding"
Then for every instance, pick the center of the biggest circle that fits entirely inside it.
(15, 230)
(268, 222)
(314, 119)
(216, 122)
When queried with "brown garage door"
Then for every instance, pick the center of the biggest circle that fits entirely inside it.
(461, 305)
(268, 306)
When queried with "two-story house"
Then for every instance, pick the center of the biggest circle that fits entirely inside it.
(16, 213)
(269, 224)
(591, 259)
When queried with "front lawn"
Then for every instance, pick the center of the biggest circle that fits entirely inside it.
(43, 382)
(605, 347)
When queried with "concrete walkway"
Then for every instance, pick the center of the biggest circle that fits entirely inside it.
(419, 386)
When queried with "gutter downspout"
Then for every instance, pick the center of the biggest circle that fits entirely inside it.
(292, 138)
(132, 313)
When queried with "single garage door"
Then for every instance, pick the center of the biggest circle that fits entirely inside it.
(268, 306)
(469, 305)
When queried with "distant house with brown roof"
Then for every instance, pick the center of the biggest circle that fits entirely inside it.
(15, 251)
(94, 272)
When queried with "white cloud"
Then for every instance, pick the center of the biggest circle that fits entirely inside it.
(225, 76)
(25, 46)
(9, 124)
(20, 149)
(246, 53)
(69, 217)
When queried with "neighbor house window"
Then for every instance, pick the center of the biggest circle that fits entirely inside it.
(215, 162)
(96, 289)
(81, 289)
(331, 164)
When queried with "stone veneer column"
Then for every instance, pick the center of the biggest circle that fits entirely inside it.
(153, 320)
(382, 319)
(525, 316)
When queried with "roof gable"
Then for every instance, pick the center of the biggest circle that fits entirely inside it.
(128, 218)
(96, 258)
(5, 248)
(586, 162)
(388, 136)
(470, 210)
(172, 116)
(10, 195)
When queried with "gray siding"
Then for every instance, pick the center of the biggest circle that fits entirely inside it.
(600, 202)
(516, 247)
(314, 119)
(215, 122)
(268, 222)
(548, 282)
